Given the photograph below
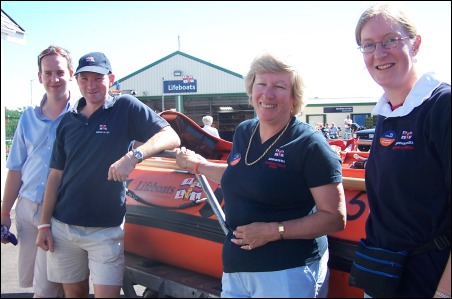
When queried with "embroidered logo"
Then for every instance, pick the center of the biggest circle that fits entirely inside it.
(406, 135)
(102, 129)
(277, 161)
(406, 142)
(279, 153)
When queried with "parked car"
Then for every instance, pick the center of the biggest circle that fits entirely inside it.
(365, 139)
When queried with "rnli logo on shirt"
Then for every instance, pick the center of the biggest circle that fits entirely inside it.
(406, 135)
(279, 153)
(235, 159)
(277, 161)
(406, 141)
(388, 138)
(102, 129)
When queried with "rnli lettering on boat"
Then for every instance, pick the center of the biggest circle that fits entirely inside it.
(154, 187)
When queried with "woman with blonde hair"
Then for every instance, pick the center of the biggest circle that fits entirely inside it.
(283, 192)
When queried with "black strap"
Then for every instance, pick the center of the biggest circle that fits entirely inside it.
(438, 243)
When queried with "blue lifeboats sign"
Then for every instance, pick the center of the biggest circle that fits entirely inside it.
(188, 84)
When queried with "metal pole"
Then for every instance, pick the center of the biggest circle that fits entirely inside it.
(163, 93)
(213, 201)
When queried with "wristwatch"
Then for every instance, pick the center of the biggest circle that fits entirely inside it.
(281, 230)
(138, 155)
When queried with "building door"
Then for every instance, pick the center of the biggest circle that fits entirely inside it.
(360, 119)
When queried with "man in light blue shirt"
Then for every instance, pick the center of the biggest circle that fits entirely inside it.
(28, 168)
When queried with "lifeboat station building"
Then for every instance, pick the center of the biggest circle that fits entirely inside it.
(196, 88)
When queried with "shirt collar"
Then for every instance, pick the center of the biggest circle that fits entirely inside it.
(82, 102)
(38, 111)
(421, 91)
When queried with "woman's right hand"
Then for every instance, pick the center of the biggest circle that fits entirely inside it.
(186, 159)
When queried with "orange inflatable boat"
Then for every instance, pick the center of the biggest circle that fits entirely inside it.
(169, 217)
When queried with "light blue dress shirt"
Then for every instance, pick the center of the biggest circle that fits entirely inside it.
(31, 150)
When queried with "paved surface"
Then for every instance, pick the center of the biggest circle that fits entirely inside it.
(9, 284)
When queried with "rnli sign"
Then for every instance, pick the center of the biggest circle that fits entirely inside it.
(187, 84)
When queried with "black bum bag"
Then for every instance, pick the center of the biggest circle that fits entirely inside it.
(379, 271)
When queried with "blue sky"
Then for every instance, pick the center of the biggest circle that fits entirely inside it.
(319, 35)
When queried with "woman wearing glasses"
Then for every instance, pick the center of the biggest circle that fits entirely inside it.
(28, 166)
(408, 173)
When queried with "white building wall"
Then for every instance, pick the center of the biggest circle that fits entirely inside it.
(210, 79)
(215, 81)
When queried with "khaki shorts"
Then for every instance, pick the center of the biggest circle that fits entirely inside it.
(32, 260)
(83, 251)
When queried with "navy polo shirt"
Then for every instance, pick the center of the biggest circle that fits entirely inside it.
(85, 148)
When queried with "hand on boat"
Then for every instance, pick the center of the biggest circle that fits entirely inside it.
(120, 170)
(186, 157)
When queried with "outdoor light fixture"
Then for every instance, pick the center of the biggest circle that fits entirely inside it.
(227, 108)
(177, 73)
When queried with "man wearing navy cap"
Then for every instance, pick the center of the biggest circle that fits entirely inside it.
(95, 62)
(85, 195)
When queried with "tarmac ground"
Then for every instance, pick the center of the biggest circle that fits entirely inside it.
(9, 282)
(10, 285)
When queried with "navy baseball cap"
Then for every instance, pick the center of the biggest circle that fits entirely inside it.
(95, 62)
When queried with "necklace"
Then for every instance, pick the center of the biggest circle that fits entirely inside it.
(268, 148)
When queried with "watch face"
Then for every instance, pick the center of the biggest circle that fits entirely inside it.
(137, 154)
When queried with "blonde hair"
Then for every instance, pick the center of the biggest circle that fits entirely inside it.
(268, 62)
(389, 11)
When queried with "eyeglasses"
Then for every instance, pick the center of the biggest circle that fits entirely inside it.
(52, 50)
(389, 43)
